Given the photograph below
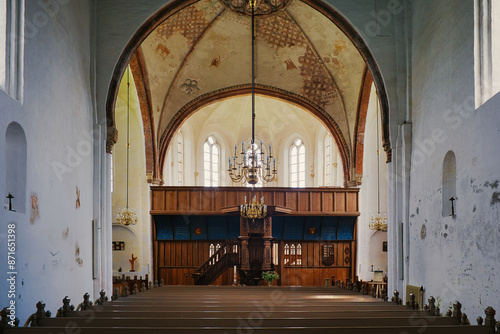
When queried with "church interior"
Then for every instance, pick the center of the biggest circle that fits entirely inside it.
(211, 142)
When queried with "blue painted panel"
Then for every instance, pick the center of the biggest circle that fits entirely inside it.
(346, 228)
(181, 227)
(294, 228)
(163, 228)
(329, 228)
(233, 227)
(217, 227)
(198, 223)
(278, 227)
(312, 228)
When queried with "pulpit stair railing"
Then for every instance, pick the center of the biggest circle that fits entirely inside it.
(226, 256)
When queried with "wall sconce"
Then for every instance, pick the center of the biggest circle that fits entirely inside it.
(312, 230)
(198, 230)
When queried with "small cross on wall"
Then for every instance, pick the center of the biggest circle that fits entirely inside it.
(452, 199)
(10, 197)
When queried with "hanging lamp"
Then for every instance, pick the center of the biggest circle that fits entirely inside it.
(127, 216)
(252, 167)
(378, 223)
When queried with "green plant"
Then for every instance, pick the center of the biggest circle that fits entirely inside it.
(270, 275)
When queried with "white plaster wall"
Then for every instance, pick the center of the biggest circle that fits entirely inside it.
(459, 257)
(138, 240)
(369, 252)
(57, 119)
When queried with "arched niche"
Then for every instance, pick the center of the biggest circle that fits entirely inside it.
(15, 166)
(377, 254)
(449, 184)
(125, 235)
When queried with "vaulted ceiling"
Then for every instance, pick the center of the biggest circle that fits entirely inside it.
(201, 53)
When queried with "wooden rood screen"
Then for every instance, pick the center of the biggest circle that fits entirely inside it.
(314, 241)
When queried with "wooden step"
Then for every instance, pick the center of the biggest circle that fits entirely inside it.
(251, 319)
(72, 328)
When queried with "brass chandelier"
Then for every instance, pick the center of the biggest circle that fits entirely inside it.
(378, 223)
(127, 216)
(254, 210)
(252, 167)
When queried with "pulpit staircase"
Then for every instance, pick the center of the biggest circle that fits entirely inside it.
(226, 256)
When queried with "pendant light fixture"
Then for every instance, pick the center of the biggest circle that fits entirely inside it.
(378, 223)
(252, 167)
(127, 216)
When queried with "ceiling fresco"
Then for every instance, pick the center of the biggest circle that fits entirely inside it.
(204, 49)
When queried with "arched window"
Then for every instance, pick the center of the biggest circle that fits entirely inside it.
(328, 160)
(298, 164)
(298, 260)
(286, 257)
(292, 255)
(180, 159)
(211, 250)
(3, 42)
(11, 47)
(449, 191)
(15, 166)
(211, 158)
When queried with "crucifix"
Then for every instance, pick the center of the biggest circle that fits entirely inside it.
(10, 197)
(132, 260)
(452, 199)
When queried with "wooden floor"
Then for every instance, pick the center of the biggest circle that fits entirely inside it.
(263, 310)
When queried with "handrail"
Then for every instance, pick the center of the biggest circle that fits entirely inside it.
(222, 254)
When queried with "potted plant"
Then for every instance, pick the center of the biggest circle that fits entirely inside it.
(270, 276)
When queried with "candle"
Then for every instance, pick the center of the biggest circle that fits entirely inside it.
(261, 145)
(270, 150)
(274, 162)
(235, 149)
(245, 199)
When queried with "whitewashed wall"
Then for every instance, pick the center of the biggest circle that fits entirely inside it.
(370, 251)
(454, 258)
(54, 246)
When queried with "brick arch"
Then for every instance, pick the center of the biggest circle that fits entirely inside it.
(176, 5)
(359, 134)
(139, 73)
(230, 92)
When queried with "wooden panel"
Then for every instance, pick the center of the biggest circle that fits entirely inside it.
(207, 201)
(279, 198)
(303, 201)
(309, 247)
(195, 200)
(220, 200)
(183, 200)
(268, 197)
(316, 254)
(231, 198)
(291, 200)
(184, 254)
(312, 276)
(327, 202)
(171, 200)
(352, 202)
(339, 202)
(158, 200)
(315, 201)
(171, 253)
